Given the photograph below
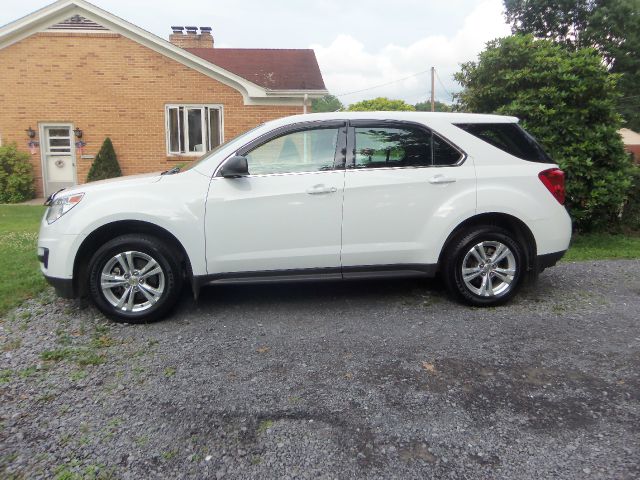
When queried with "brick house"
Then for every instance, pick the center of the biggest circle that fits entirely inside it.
(631, 142)
(72, 74)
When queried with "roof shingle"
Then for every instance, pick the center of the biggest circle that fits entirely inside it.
(281, 69)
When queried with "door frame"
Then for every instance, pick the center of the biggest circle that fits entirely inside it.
(44, 147)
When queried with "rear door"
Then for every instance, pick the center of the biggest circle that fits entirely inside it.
(400, 176)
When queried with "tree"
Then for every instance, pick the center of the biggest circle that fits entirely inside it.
(610, 26)
(380, 104)
(105, 164)
(328, 103)
(16, 175)
(567, 100)
(439, 107)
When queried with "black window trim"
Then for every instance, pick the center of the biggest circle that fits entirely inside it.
(351, 143)
(546, 158)
(339, 155)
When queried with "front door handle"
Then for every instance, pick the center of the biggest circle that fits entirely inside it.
(440, 179)
(321, 189)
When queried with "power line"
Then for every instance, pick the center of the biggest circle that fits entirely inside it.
(443, 87)
(382, 84)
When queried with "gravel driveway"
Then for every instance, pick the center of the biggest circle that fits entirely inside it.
(386, 379)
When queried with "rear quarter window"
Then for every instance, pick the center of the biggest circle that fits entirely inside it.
(510, 138)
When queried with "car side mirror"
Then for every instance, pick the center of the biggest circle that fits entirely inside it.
(235, 167)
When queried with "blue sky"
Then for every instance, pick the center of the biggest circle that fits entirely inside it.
(359, 43)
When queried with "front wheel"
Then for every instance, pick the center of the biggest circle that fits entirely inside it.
(484, 266)
(134, 278)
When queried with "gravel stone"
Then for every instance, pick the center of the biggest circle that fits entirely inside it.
(380, 379)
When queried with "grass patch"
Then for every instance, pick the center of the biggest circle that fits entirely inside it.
(603, 246)
(265, 425)
(82, 356)
(21, 277)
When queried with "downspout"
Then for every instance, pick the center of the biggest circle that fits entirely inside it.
(304, 103)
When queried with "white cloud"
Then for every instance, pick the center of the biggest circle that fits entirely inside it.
(348, 66)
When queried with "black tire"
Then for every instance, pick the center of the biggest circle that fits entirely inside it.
(459, 252)
(151, 305)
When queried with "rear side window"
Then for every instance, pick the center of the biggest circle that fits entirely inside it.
(510, 138)
(379, 147)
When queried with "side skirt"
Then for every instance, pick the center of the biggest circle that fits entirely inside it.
(317, 274)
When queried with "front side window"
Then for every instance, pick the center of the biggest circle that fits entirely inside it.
(193, 129)
(304, 151)
(379, 147)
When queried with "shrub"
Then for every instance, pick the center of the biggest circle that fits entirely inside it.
(16, 175)
(106, 163)
(631, 211)
(567, 99)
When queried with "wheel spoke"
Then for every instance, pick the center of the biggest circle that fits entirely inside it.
(500, 254)
(108, 281)
(132, 296)
(506, 271)
(487, 283)
(153, 272)
(150, 264)
(471, 273)
(123, 263)
(499, 251)
(502, 277)
(479, 253)
(123, 299)
(150, 293)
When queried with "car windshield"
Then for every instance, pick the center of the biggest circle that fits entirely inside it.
(238, 139)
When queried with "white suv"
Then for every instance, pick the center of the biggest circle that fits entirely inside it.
(321, 196)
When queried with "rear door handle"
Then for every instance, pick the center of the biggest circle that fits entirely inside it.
(321, 189)
(440, 179)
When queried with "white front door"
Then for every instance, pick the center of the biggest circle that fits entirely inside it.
(287, 213)
(58, 157)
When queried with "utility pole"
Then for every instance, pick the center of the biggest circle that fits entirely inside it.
(433, 89)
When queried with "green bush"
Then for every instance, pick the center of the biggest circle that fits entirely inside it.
(567, 100)
(106, 163)
(631, 211)
(16, 175)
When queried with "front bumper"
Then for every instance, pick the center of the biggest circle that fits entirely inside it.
(63, 286)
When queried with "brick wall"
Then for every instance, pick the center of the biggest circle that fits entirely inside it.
(635, 151)
(108, 85)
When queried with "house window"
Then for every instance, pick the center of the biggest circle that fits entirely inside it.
(193, 129)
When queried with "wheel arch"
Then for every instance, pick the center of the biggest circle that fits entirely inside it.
(508, 222)
(111, 230)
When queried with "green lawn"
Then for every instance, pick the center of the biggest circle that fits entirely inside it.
(20, 276)
(600, 246)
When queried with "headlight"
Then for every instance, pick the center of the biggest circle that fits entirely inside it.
(59, 206)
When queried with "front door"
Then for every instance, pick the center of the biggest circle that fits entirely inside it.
(58, 157)
(287, 213)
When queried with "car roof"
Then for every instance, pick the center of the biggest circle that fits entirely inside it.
(422, 117)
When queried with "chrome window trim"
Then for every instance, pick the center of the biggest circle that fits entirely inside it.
(285, 130)
(353, 124)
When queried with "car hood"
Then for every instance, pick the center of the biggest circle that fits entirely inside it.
(110, 183)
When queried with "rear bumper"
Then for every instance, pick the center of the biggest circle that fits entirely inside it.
(549, 259)
(63, 286)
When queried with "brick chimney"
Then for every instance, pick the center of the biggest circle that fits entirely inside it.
(191, 38)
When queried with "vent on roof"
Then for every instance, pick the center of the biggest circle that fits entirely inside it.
(77, 22)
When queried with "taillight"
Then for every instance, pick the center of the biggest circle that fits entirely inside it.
(553, 179)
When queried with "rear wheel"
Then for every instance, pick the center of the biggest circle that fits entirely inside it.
(135, 278)
(484, 266)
